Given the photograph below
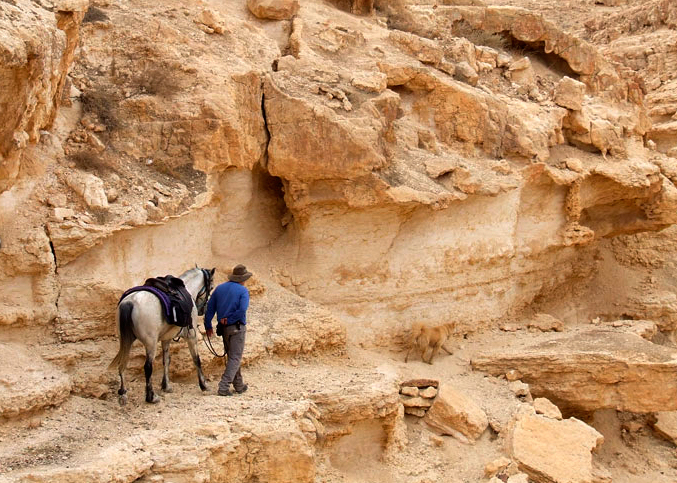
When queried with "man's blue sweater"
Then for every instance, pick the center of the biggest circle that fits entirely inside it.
(229, 300)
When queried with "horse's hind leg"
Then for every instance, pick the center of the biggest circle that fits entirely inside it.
(192, 347)
(151, 397)
(166, 358)
(122, 392)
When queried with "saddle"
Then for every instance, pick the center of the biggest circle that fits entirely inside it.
(177, 303)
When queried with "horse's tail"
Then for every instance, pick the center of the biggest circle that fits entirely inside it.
(126, 328)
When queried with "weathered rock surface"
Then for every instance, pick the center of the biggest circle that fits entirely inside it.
(453, 413)
(591, 370)
(36, 51)
(546, 408)
(666, 425)
(554, 451)
(28, 383)
(569, 93)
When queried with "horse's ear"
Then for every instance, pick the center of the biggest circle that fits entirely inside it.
(196, 265)
(212, 271)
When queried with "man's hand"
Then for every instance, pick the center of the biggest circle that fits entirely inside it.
(210, 332)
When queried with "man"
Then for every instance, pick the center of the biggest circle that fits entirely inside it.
(230, 301)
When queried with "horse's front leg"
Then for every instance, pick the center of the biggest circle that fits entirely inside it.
(151, 397)
(192, 346)
(166, 358)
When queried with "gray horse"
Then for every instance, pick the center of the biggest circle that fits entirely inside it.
(140, 316)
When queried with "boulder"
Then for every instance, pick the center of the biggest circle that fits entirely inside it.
(552, 451)
(453, 413)
(273, 9)
(591, 369)
(569, 93)
(28, 383)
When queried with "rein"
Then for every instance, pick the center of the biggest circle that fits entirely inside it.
(208, 343)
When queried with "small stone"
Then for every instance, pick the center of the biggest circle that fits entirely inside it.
(417, 402)
(513, 375)
(545, 323)
(421, 383)
(465, 73)
(521, 64)
(574, 164)
(212, 20)
(493, 467)
(428, 392)
(546, 408)
(420, 412)
(520, 389)
(518, 478)
(61, 214)
(274, 9)
(509, 328)
(111, 195)
(436, 441)
(409, 391)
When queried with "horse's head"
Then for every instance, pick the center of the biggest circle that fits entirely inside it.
(205, 291)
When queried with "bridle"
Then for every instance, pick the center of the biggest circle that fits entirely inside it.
(204, 291)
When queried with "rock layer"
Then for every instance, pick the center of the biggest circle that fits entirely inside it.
(590, 370)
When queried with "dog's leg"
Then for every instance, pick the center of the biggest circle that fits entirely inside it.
(406, 358)
(434, 352)
(446, 350)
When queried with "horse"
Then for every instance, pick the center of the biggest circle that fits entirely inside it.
(140, 316)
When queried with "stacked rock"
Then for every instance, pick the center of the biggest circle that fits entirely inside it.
(417, 395)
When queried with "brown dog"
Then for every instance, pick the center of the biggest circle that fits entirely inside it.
(425, 338)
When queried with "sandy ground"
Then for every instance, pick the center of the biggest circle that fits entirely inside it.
(78, 430)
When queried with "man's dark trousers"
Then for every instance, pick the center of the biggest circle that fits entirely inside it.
(233, 343)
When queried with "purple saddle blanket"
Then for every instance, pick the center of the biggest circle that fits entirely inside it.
(164, 298)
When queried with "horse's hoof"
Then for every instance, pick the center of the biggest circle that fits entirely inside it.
(167, 389)
(204, 388)
(122, 399)
(156, 399)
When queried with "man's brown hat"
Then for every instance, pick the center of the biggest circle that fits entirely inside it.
(240, 274)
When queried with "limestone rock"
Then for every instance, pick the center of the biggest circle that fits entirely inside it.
(211, 19)
(554, 451)
(273, 9)
(36, 51)
(496, 466)
(90, 187)
(418, 412)
(592, 369)
(417, 402)
(409, 391)
(28, 383)
(453, 413)
(465, 73)
(545, 323)
(666, 425)
(569, 93)
(428, 392)
(546, 408)
(370, 81)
